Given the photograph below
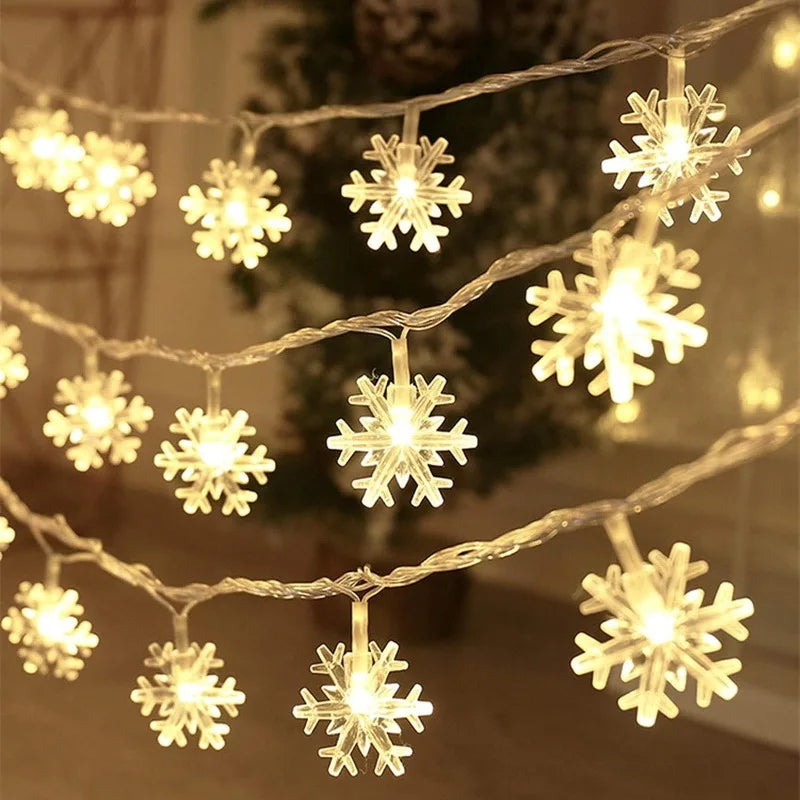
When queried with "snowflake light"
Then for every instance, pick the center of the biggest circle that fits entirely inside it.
(406, 192)
(7, 535)
(677, 142)
(660, 634)
(13, 369)
(401, 439)
(47, 628)
(97, 419)
(112, 180)
(213, 460)
(235, 212)
(187, 697)
(617, 313)
(360, 707)
(41, 148)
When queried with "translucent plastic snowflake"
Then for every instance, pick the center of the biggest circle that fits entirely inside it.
(97, 420)
(7, 535)
(187, 696)
(235, 212)
(661, 634)
(46, 625)
(406, 192)
(41, 148)
(112, 181)
(668, 153)
(361, 708)
(13, 369)
(214, 461)
(617, 314)
(401, 440)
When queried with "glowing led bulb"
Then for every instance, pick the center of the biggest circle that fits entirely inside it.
(98, 414)
(108, 174)
(786, 43)
(770, 199)
(47, 626)
(216, 451)
(659, 627)
(406, 187)
(402, 429)
(189, 698)
(360, 699)
(44, 147)
(677, 146)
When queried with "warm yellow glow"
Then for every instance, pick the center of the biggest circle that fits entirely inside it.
(360, 699)
(760, 386)
(98, 415)
(217, 452)
(108, 174)
(189, 691)
(236, 213)
(53, 626)
(406, 187)
(786, 45)
(659, 627)
(401, 430)
(44, 147)
(677, 146)
(622, 301)
(627, 413)
(770, 199)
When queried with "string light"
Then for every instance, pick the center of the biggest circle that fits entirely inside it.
(112, 180)
(360, 707)
(13, 369)
(47, 628)
(235, 211)
(7, 535)
(401, 439)
(677, 143)
(619, 311)
(212, 459)
(659, 634)
(406, 192)
(98, 419)
(41, 148)
(186, 695)
(786, 43)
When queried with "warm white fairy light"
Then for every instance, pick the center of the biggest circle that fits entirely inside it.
(186, 695)
(13, 369)
(786, 43)
(112, 182)
(406, 192)
(677, 142)
(360, 706)
(401, 439)
(7, 535)
(41, 148)
(47, 628)
(98, 420)
(659, 634)
(235, 212)
(618, 312)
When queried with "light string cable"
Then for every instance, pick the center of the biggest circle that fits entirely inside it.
(515, 263)
(735, 447)
(693, 38)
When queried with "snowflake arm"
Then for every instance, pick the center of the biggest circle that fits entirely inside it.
(362, 709)
(401, 441)
(235, 212)
(97, 420)
(660, 634)
(406, 192)
(112, 180)
(13, 369)
(213, 461)
(617, 313)
(186, 696)
(47, 628)
(7, 535)
(41, 148)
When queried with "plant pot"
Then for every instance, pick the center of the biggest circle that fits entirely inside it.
(428, 611)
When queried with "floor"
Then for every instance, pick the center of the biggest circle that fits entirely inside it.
(510, 719)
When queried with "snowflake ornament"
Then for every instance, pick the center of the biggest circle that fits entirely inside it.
(13, 369)
(187, 697)
(112, 180)
(617, 313)
(360, 707)
(677, 143)
(97, 420)
(401, 439)
(41, 148)
(7, 535)
(213, 460)
(235, 212)
(660, 634)
(46, 625)
(406, 192)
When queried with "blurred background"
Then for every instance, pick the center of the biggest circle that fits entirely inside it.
(491, 648)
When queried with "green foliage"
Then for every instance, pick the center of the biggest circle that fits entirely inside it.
(529, 157)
